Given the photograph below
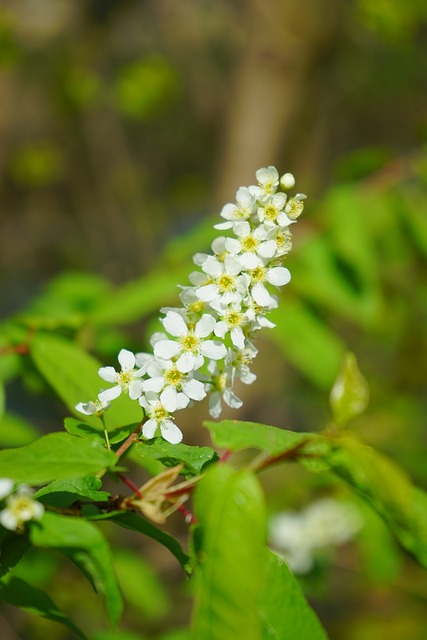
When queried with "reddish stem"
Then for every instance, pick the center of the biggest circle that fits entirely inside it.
(225, 455)
(130, 484)
(129, 441)
(189, 518)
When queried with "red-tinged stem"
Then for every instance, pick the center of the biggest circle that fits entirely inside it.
(129, 441)
(189, 518)
(130, 484)
(225, 455)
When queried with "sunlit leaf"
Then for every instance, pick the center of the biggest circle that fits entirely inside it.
(73, 374)
(55, 456)
(284, 610)
(230, 555)
(85, 545)
(349, 395)
(194, 458)
(63, 493)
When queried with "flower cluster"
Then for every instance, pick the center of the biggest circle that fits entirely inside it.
(324, 523)
(20, 505)
(207, 343)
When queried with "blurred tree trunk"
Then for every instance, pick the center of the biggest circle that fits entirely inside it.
(280, 41)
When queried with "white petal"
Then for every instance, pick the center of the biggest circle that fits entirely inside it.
(6, 487)
(283, 220)
(175, 324)
(261, 295)
(242, 229)
(8, 520)
(237, 337)
(127, 360)
(149, 428)
(205, 326)
(186, 362)
(278, 276)
(250, 260)
(231, 399)
(218, 244)
(170, 431)
(221, 328)
(153, 384)
(267, 249)
(215, 405)
(244, 198)
(233, 246)
(166, 349)
(108, 373)
(223, 225)
(207, 293)
(110, 394)
(194, 389)
(168, 398)
(135, 389)
(88, 408)
(182, 401)
(232, 266)
(212, 267)
(213, 350)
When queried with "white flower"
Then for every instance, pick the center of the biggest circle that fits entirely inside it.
(91, 408)
(326, 522)
(128, 380)
(175, 388)
(20, 508)
(191, 347)
(243, 210)
(251, 244)
(226, 284)
(295, 206)
(277, 276)
(287, 181)
(6, 487)
(221, 390)
(272, 211)
(231, 321)
(159, 418)
(268, 181)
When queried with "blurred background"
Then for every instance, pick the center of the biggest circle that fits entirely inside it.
(124, 128)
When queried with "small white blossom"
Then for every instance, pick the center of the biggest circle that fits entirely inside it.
(298, 536)
(91, 408)
(243, 210)
(127, 380)
(191, 347)
(20, 508)
(173, 386)
(268, 181)
(273, 211)
(251, 244)
(287, 181)
(6, 487)
(226, 284)
(159, 418)
(277, 276)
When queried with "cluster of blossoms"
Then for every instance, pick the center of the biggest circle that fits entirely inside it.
(208, 341)
(324, 523)
(20, 507)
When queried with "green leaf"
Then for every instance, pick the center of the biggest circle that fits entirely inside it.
(137, 299)
(140, 585)
(12, 549)
(385, 486)
(73, 374)
(81, 541)
(35, 601)
(317, 352)
(194, 458)
(135, 522)
(236, 435)
(2, 400)
(349, 395)
(230, 555)
(55, 457)
(15, 431)
(284, 611)
(82, 429)
(63, 493)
